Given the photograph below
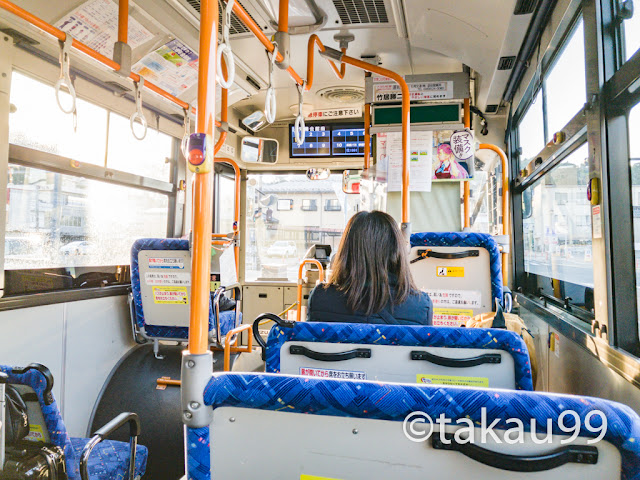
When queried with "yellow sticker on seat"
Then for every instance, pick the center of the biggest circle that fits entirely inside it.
(36, 433)
(174, 295)
(453, 380)
(450, 271)
(451, 317)
(313, 477)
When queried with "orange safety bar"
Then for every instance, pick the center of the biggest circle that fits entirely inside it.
(236, 214)
(467, 186)
(505, 202)
(312, 261)
(314, 39)
(203, 189)
(60, 35)
(367, 135)
(123, 21)
(230, 348)
(257, 31)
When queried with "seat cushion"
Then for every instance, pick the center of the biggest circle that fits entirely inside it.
(228, 321)
(110, 459)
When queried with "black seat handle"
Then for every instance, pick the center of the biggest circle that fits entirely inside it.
(422, 254)
(256, 328)
(584, 454)
(330, 356)
(456, 362)
(46, 373)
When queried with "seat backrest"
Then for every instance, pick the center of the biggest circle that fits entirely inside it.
(45, 419)
(461, 272)
(357, 430)
(479, 357)
(161, 287)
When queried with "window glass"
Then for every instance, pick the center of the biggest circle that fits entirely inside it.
(531, 131)
(141, 157)
(56, 220)
(486, 194)
(38, 122)
(631, 29)
(557, 232)
(634, 150)
(565, 86)
(278, 239)
(225, 206)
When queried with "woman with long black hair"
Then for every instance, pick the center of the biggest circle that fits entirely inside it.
(370, 280)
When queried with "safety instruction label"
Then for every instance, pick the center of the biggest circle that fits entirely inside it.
(455, 298)
(175, 295)
(451, 317)
(161, 262)
(453, 380)
(450, 271)
(390, 92)
(36, 433)
(596, 221)
(152, 278)
(326, 373)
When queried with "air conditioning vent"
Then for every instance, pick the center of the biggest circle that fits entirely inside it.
(506, 63)
(354, 12)
(343, 94)
(525, 7)
(491, 108)
(236, 24)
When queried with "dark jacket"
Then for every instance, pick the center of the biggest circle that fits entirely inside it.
(330, 305)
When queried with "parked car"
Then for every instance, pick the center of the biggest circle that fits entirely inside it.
(282, 248)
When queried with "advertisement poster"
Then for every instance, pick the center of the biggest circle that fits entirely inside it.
(173, 67)
(389, 160)
(453, 154)
(95, 23)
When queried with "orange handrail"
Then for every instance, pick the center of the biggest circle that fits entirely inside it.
(505, 202)
(283, 16)
(236, 215)
(467, 186)
(257, 31)
(367, 135)
(123, 21)
(203, 189)
(229, 349)
(314, 39)
(106, 61)
(312, 261)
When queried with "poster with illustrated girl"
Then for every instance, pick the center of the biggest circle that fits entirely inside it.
(446, 166)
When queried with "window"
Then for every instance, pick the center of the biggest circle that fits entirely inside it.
(278, 239)
(44, 231)
(565, 85)
(332, 205)
(631, 34)
(285, 204)
(531, 131)
(225, 206)
(309, 205)
(634, 151)
(557, 233)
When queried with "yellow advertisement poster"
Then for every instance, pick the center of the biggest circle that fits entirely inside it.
(450, 271)
(453, 380)
(171, 295)
(451, 317)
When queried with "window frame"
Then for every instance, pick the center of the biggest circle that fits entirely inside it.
(314, 204)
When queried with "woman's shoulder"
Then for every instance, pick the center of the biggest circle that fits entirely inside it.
(420, 297)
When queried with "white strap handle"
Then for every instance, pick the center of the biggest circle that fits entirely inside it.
(299, 127)
(270, 106)
(225, 49)
(65, 77)
(138, 114)
(187, 131)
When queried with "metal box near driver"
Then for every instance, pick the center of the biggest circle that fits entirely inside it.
(436, 101)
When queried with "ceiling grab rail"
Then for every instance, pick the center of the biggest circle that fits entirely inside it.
(138, 114)
(270, 105)
(224, 48)
(299, 129)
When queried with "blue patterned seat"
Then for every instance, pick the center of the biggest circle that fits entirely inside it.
(109, 459)
(401, 335)
(467, 239)
(280, 395)
(228, 320)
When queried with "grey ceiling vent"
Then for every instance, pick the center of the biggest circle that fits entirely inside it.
(236, 24)
(493, 108)
(353, 12)
(525, 7)
(506, 63)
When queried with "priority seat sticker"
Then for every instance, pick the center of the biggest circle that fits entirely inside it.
(170, 295)
(153, 278)
(450, 271)
(164, 262)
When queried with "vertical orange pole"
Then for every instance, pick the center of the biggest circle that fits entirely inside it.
(203, 189)
(367, 135)
(283, 16)
(123, 21)
(312, 261)
(467, 186)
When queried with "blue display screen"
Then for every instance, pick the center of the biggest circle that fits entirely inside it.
(347, 141)
(317, 142)
(329, 140)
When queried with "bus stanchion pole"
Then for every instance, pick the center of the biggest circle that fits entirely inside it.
(467, 185)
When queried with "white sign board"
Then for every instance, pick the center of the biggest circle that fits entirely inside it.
(390, 91)
(344, 112)
(389, 160)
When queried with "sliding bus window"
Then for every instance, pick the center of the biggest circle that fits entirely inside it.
(225, 202)
(278, 237)
(557, 234)
(631, 32)
(531, 131)
(634, 163)
(37, 122)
